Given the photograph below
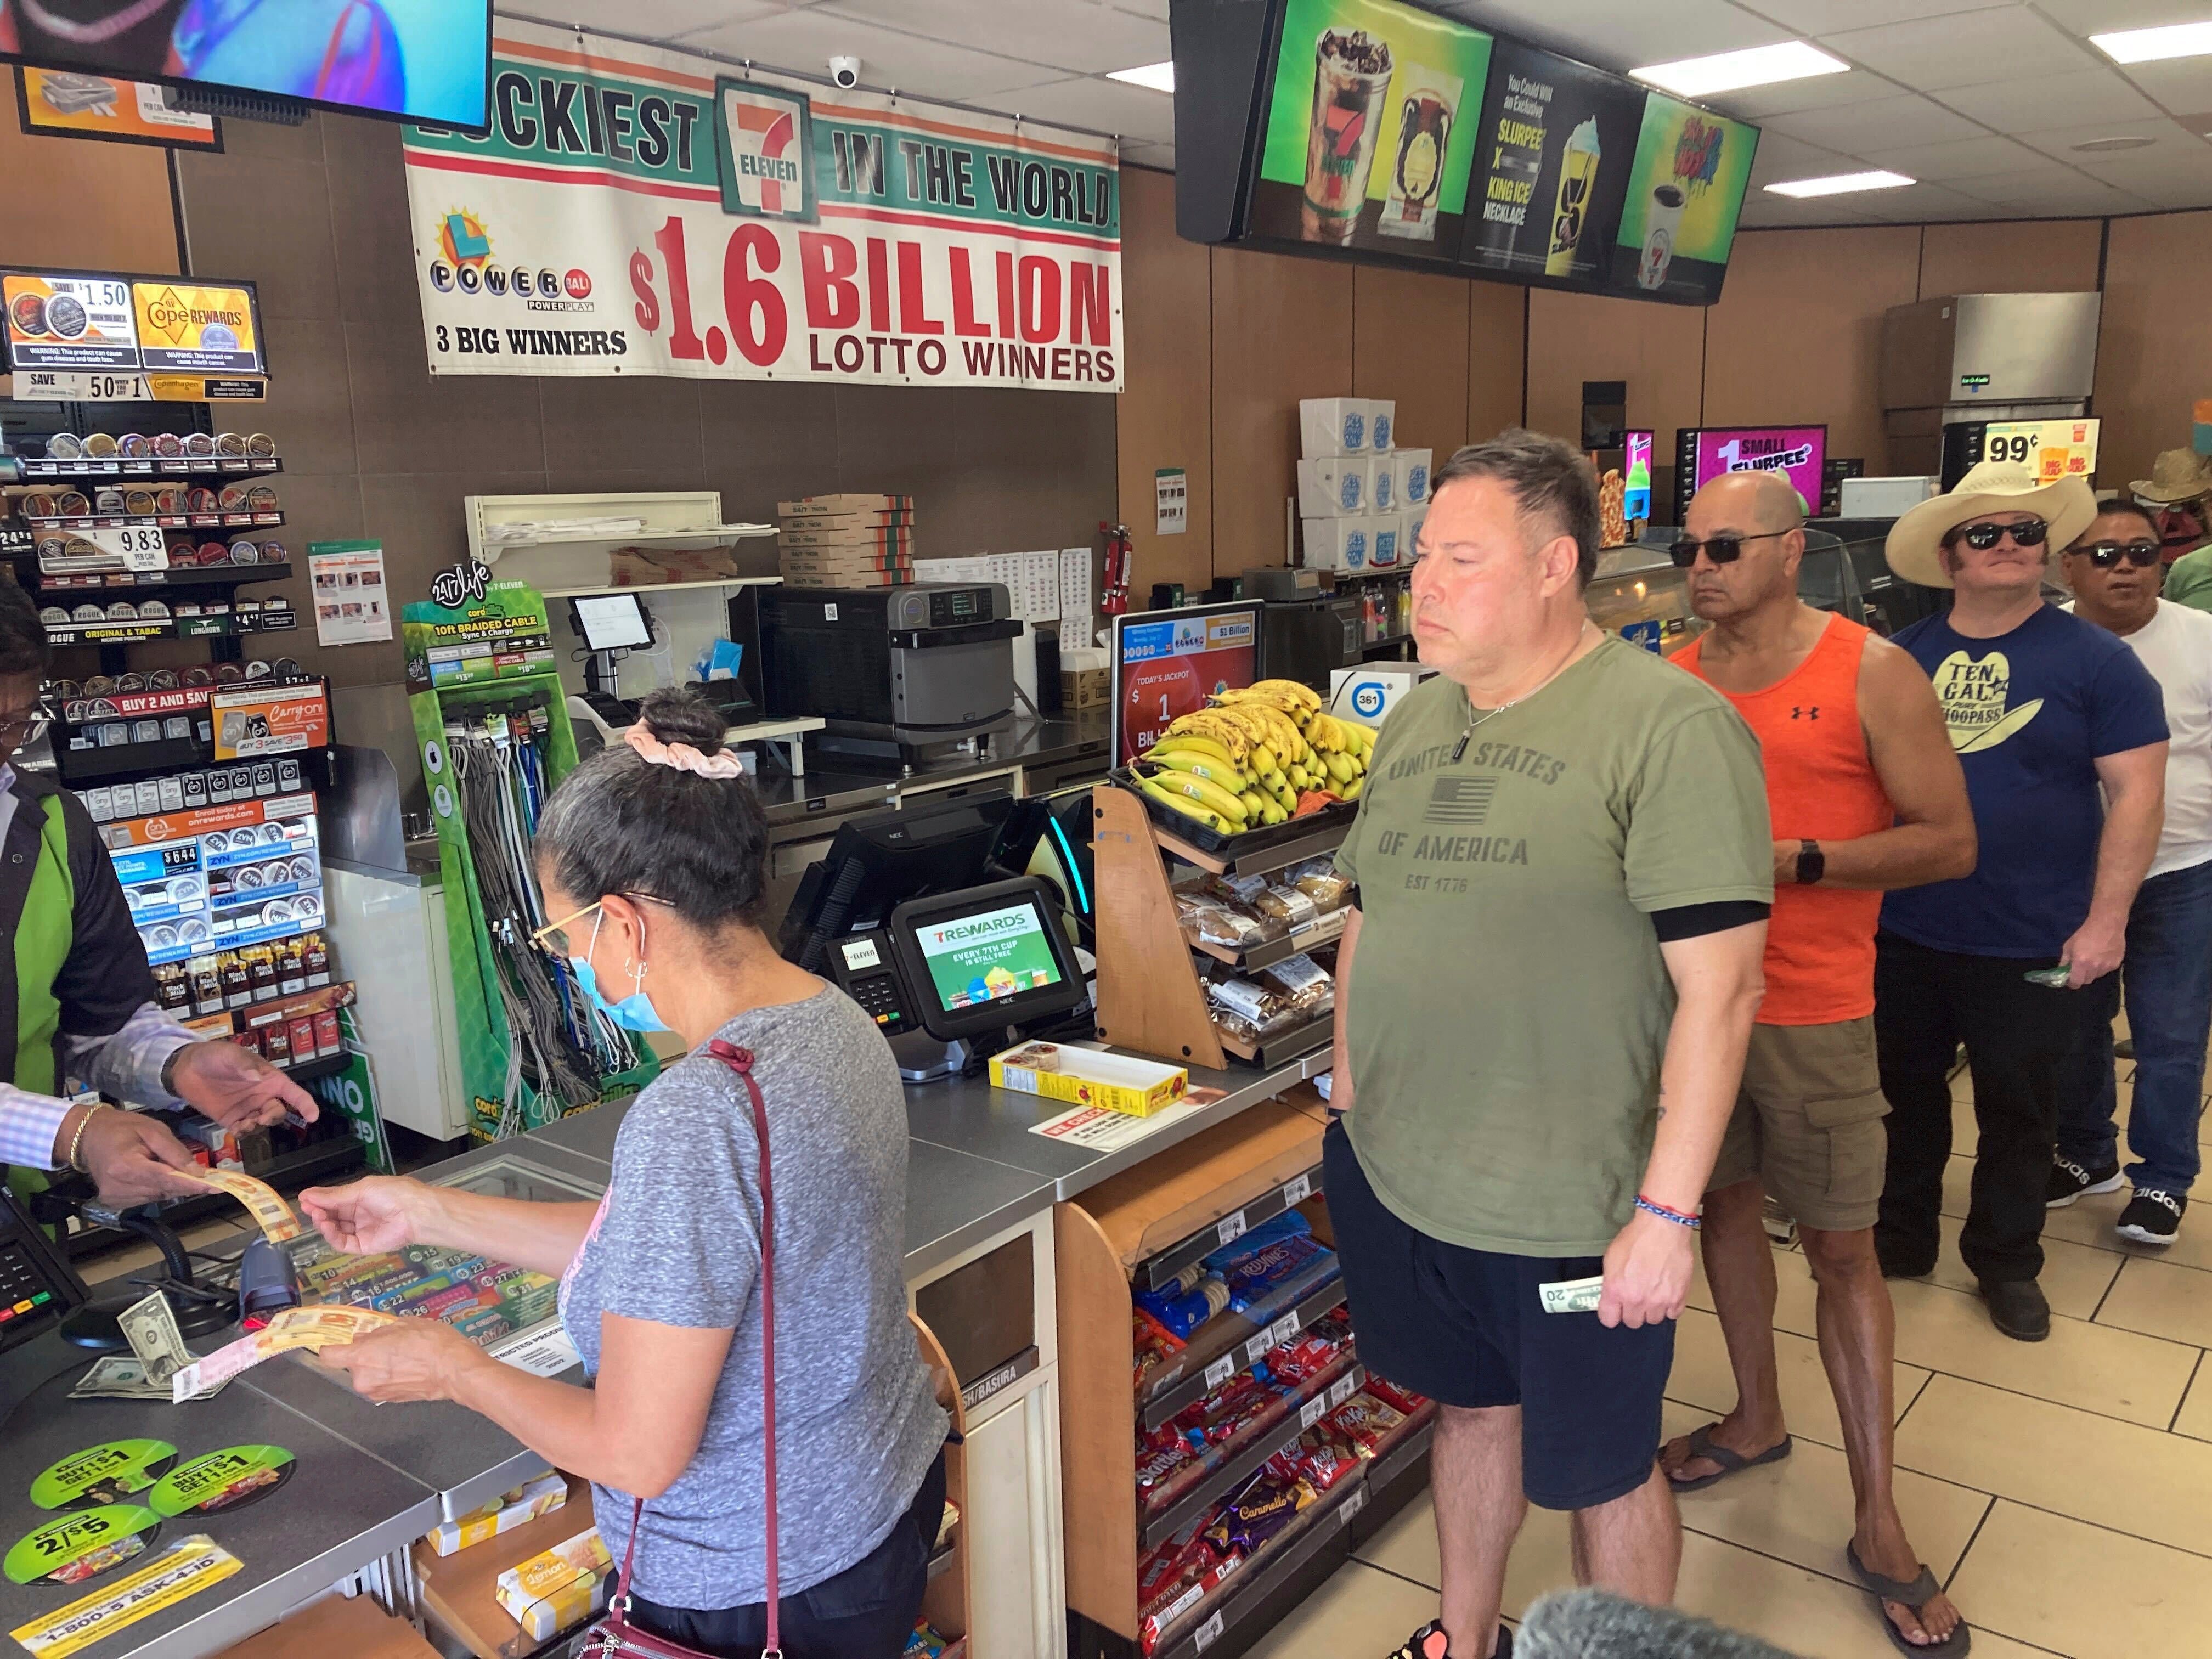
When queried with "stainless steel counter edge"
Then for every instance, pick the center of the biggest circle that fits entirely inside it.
(1266, 1086)
(929, 1258)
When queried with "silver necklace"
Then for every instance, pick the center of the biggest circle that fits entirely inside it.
(91, 35)
(1459, 749)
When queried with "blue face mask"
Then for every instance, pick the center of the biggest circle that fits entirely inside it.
(635, 1013)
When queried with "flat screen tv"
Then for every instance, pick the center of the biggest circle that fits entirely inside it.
(404, 60)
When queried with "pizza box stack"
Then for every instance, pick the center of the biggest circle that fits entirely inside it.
(847, 541)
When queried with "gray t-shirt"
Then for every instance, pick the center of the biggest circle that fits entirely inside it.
(676, 1241)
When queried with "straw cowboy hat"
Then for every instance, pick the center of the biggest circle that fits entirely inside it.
(1915, 539)
(2178, 475)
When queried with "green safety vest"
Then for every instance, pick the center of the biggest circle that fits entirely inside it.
(44, 931)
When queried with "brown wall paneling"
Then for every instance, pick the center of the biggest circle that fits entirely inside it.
(1496, 358)
(1656, 349)
(52, 181)
(1796, 337)
(1164, 416)
(1282, 331)
(2019, 256)
(1409, 332)
(2155, 348)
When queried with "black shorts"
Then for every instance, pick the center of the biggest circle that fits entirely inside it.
(1468, 1328)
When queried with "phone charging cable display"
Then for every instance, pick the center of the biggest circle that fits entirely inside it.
(561, 1045)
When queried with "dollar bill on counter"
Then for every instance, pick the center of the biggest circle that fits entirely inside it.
(1572, 1295)
(269, 1212)
(149, 1326)
(311, 1328)
(120, 1376)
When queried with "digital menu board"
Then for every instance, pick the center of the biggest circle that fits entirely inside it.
(1550, 168)
(1367, 143)
(1685, 191)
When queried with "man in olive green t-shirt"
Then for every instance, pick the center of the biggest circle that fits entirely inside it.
(2189, 580)
(1562, 865)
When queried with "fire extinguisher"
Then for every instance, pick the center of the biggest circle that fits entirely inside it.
(1116, 600)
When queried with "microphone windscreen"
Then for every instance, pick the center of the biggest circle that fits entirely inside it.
(1588, 1624)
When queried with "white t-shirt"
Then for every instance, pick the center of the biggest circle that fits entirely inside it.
(2176, 646)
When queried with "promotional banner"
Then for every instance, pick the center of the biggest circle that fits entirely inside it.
(639, 211)
(102, 336)
(1685, 191)
(1796, 452)
(63, 104)
(1369, 142)
(1556, 143)
(2051, 450)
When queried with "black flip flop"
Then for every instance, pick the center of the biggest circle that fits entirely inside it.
(1915, 1596)
(1731, 1462)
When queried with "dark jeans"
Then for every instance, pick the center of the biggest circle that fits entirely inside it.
(2017, 1036)
(866, 1612)
(2167, 979)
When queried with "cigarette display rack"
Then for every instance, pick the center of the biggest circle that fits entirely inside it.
(491, 723)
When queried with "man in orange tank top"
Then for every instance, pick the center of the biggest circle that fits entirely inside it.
(1866, 795)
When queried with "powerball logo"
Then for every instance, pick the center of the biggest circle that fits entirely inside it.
(767, 151)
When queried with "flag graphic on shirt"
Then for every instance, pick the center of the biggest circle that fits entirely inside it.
(1460, 801)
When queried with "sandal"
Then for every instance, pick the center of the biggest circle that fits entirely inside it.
(1428, 1643)
(1731, 1462)
(1915, 1595)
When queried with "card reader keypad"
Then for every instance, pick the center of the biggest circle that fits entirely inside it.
(879, 997)
(26, 1298)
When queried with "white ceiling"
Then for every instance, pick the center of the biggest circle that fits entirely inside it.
(1983, 101)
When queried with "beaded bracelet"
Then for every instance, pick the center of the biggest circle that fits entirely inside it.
(1666, 1214)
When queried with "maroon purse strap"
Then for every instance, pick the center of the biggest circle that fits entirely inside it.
(617, 1627)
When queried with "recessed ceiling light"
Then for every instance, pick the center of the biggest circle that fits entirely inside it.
(1841, 184)
(2148, 45)
(1731, 71)
(1160, 78)
(2106, 146)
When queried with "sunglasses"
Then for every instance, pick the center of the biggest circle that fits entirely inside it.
(1721, 550)
(2106, 555)
(1983, 537)
(26, 727)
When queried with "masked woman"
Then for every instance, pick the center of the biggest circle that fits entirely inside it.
(654, 855)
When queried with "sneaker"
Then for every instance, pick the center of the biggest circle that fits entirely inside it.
(2070, 1182)
(1428, 1643)
(2152, 1217)
(2018, 1308)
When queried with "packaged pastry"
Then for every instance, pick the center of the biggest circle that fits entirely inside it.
(1304, 983)
(1317, 878)
(1286, 905)
(1213, 922)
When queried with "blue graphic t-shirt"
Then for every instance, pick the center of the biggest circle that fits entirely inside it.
(2030, 713)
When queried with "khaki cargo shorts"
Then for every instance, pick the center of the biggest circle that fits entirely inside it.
(1808, 1122)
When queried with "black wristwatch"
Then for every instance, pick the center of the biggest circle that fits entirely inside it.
(1811, 863)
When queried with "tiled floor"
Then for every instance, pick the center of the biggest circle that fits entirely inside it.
(2062, 1490)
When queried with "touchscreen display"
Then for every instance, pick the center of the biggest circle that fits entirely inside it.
(990, 954)
(613, 621)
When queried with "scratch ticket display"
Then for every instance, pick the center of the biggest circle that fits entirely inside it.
(311, 1328)
(484, 1300)
(271, 1212)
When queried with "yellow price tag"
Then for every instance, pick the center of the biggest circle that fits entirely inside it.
(2051, 450)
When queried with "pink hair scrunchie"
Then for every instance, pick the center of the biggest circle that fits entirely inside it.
(682, 756)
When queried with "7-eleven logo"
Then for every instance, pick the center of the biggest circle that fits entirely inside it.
(765, 168)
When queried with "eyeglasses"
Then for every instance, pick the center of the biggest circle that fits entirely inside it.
(2106, 555)
(1721, 550)
(553, 939)
(26, 727)
(1983, 537)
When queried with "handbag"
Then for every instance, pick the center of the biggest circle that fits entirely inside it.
(614, 1636)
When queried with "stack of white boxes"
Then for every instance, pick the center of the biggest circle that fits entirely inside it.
(1361, 499)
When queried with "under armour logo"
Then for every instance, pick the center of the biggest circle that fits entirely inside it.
(1800, 713)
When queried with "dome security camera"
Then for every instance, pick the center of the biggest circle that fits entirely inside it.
(844, 71)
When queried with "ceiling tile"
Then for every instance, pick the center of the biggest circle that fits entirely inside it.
(2025, 185)
(1923, 204)
(1102, 106)
(1149, 156)
(1782, 158)
(1156, 9)
(2046, 100)
(1958, 158)
(1083, 35)
(1889, 122)
(2166, 134)
(1621, 37)
(2098, 16)
(2167, 181)
(2181, 83)
(647, 20)
(1968, 49)
(929, 68)
(1813, 92)
(1827, 17)
(2064, 192)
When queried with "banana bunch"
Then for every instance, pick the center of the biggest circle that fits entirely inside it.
(1253, 756)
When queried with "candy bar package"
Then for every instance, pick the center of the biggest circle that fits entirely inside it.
(1255, 1515)
(1304, 1360)
(1182, 1312)
(1366, 1422)
(1274, 1279)
(1390, 1393)
(1155, 1348)
(1162, 1472)
(1291, 1224)
(1182, 1598)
